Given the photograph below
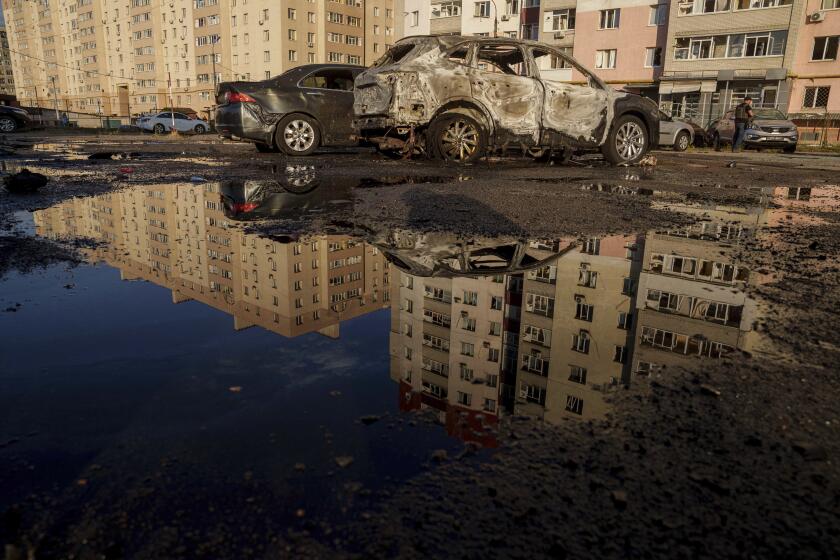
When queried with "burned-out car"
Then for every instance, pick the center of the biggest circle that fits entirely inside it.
(459, 98)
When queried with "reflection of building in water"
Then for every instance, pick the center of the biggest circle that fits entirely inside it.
(178, 237)
(575, 337)
(692, 301)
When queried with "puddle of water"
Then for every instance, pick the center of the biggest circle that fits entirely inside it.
(255, 365)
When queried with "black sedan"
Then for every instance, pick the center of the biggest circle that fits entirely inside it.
(296, 112)
(13, 118)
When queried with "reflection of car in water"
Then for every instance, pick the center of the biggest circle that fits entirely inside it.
(295, 189)
(296, 112)
(461, 97)
(770, 128)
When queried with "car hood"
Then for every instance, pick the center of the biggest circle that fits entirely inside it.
(772, 122)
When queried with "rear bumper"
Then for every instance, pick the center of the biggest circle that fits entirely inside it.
(235, 120)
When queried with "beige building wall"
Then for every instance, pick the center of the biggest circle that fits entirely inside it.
(119, 57)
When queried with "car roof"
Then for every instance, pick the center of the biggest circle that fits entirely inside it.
(452, 40)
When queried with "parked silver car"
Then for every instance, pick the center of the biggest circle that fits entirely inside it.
(675, 133)
(770, 128)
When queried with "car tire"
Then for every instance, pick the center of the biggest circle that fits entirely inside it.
(8, 125)
(265, 148)
(789, 149)
(297, 135)
(159, 128)
(682, 142)
(457, 137)
(627, 142)
(200, 129)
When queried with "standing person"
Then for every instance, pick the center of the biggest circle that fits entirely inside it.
(743, 115)
(65, 120)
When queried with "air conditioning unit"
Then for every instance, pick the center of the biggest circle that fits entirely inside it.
(505, 18)
(816, 17)
(559, 34)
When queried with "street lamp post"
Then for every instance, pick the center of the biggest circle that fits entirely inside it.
(495, 18)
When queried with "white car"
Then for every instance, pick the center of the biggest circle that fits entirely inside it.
(162, 122)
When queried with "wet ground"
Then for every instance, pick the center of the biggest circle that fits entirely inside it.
(210, 353)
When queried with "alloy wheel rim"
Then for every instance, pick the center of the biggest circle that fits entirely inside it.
(460, 140)
(629, 141)
(299, 135)
(683, 141)
(7, 125)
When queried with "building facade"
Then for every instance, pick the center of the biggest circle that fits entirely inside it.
(116, 58)
(7, 76)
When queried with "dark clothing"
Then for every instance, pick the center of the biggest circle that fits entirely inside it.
(743, 112)
(738, 137)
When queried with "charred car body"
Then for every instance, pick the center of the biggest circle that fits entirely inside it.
(461, 97)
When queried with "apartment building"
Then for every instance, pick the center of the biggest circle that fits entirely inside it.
(178, 237)
(816, 65)
(575, 342)
(486, 18)
(116, 58)
(7, 77)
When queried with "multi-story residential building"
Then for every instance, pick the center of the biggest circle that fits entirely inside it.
(623, 42)
(558, 25)
(488, 18)
(7, 78)
(178, 237)
(116, 58)
(720, 51)
(816, 65)
(575, 341)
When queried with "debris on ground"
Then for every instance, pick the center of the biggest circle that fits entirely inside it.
(25, 181)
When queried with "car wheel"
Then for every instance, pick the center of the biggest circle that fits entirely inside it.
(298, 135)
(200, 129)
(8, 124)
(159, 128)
(627, 141)
(265, 148)
(789, 149)
(682, 142)
(457, 137)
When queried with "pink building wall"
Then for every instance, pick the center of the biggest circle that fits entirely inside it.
(809, 73)
(630, 40)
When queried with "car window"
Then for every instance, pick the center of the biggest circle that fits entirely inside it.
(330, 78)
(459, 54)
(502, 59)
(557, 66)
(181, 116)
(165, 116)
(395, 54)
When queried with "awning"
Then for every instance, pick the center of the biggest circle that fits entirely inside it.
(706, 86)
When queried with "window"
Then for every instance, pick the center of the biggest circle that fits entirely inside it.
(532, 393)
(586, 277)
(574, 404)
(466, 372)
(562, 20)
(492, 380)
(580, 342)
(470, 298)
(609, 19)
(624, 320)
(541, 305)
(653, 57)
(496, 303)
(756, 4)
(592, 246)
(489, 405)
(605, 59)
(577, 374)
(830, 4)
(495, 328)
(435, 342)
(467, 349)
(493, 355)
(408, 306)
(329, 78)
(464, 399)
(436, 318)
(620, 354)
(627, 286)
(482, 10)
(816, 97)
(535, 363)
(502, 59)
(292, 13)
(267, 56)
(703, 7)
(446, 9)
(825, 48)
(584, 311)
(414, 19)
(537, 335)
(658, 14)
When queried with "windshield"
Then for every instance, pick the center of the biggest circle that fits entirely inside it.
(769, 114)
(395, 54)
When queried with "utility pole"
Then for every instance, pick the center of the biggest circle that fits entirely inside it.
(495, 19)
(171, 106)
(55, 97)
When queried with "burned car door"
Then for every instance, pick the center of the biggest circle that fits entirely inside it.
(571, 111)
(328, 96)
(501, 78)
